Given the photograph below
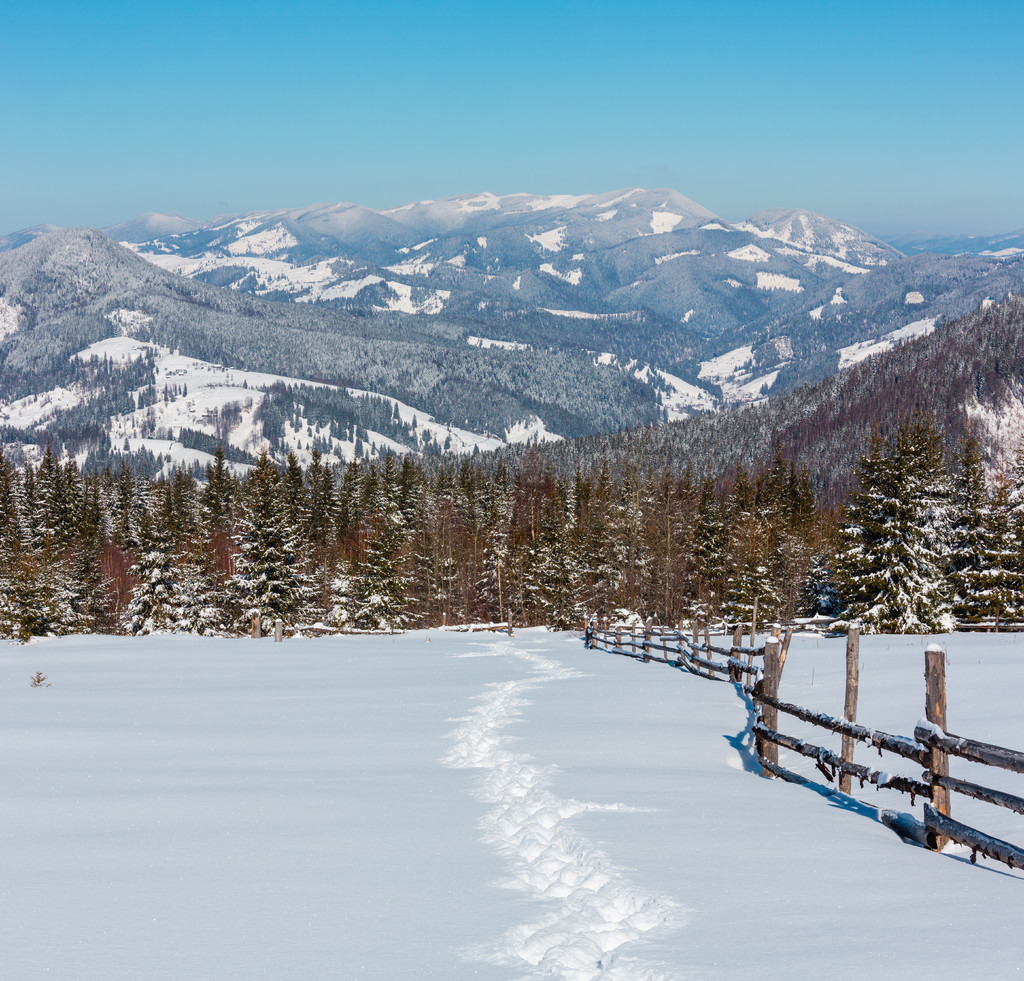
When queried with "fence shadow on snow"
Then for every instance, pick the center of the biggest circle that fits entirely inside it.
(756, 673)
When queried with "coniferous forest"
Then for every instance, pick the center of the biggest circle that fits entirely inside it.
(925, 543)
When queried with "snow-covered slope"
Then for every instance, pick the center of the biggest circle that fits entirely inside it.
(503, 265)
(647, 275)
(224, 403)
(74, 306)
(451, 806)
(818, 235)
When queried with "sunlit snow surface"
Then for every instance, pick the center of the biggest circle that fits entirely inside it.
(458, 806)
(855, 353)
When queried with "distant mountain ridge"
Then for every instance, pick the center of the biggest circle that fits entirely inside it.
(637, 276)
(499, 317)
(96, 342)
(1003, 244)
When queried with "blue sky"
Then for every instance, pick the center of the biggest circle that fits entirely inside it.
(895, 116)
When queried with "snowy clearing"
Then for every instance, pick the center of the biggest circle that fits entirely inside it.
(532, 430)
(486, 342)
(749, 253)
(663, 222)
(9, 317)
(813, 260)
(275, 239)
(776, 281)
(551, 241)
(855, 353)
(573, 277)
(727, 364)
(682, 399)
(415, 299)
(583, 315)
(448, 806)
(419, 265)
(675, 255)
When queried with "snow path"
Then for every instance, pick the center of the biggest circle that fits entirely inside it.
(598, 909)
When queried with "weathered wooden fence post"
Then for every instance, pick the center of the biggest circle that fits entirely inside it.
(753, 622)
(256, 630)
(935, 712)
(737, 637)
(850, 707)
(769, 685)
(786, 641)
(278, 630)
(648, 630)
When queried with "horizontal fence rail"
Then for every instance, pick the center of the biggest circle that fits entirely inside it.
(930, 746)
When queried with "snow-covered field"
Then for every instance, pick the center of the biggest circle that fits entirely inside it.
(441, 805)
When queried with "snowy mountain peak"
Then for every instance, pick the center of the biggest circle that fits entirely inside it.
(814, 233)
(149, 226)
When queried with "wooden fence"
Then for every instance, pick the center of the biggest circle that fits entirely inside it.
(757, 671)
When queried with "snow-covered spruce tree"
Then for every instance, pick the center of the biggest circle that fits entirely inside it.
(199, 598)
(749, 578)
(37, 598)
(894, 547)
(217, 495)
(556, 571)
(90, 586)
(749, 573)
(818, 593)
(377, 590)
(268, 579)
(127, 508)
(972, 535)
(709, 548)
(436, 557)
(492, 584)
(153, 608)
(627, 546)
(1001, 582)
(601, 575)
(319, 526)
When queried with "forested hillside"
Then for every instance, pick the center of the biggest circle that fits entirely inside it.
(924, 544)
(64, 293)
(971, 368)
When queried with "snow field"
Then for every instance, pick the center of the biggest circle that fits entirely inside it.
(855, 353)
(675, 255)
(449, 806)
(9, 317)
(550, 241)
(776, 281)
(573, 277)
(598, 910)
(663, 222)
(749, 253)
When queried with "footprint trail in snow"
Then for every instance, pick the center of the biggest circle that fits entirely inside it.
(594, 909)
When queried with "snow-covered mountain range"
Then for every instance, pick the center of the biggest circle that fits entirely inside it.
(649, 276)
(455, 324)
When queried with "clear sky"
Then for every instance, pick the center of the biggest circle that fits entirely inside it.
(895, 116)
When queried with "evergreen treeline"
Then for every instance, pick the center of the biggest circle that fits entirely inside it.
(921, 546)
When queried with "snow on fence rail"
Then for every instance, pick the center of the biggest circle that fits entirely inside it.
(930, 746)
